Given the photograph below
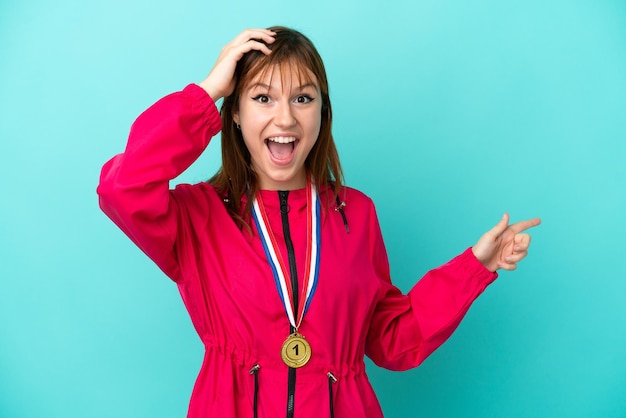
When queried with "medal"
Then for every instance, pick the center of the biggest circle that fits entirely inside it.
(296, 350)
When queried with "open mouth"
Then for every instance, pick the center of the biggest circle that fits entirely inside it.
(281, 147)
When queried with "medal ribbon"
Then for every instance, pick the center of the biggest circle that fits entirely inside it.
(275, 259)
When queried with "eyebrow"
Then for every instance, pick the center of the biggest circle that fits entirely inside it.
(268, 87)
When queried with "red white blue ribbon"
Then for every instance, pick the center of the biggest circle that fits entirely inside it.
(276, 262)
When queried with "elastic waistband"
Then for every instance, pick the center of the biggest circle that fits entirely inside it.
(246, 360)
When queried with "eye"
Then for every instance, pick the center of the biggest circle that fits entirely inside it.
(262, 98)
(304, 98)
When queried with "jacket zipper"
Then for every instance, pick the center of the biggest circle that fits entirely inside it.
(284, 210)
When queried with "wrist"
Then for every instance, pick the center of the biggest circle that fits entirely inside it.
(210, 90)
(489, 266)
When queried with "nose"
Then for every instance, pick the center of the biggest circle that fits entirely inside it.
(284, 116)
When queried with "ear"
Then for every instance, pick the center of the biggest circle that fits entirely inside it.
(236, 117)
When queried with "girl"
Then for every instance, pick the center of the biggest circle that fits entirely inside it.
(282, 268)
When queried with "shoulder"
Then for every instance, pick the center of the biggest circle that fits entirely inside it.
(347, 196)
(355, 198)
(356, 207)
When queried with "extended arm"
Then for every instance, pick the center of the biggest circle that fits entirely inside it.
(405, 330)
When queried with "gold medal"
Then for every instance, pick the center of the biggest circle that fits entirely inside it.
(296, 351)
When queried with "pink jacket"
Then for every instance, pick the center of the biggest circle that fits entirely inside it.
(228, 289)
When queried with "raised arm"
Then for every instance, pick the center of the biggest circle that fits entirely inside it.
(164, 141)
(134, 186)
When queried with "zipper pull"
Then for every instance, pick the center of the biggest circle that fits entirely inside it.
(339, 208)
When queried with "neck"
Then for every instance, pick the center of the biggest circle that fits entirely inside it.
(296, 183)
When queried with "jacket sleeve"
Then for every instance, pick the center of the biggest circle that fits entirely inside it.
(406, 329)
(134, 186)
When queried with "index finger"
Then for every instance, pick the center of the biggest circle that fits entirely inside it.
(524, 225)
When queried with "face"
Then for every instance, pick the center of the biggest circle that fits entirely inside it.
(280, 121)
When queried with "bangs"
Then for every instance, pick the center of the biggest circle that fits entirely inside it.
(290, 61)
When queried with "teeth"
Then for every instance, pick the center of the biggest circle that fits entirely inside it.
(282, 139)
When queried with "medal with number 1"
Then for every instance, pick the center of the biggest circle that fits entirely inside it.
(296, 350)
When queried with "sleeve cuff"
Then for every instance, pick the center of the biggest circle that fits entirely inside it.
(475, 268)
(206, 105)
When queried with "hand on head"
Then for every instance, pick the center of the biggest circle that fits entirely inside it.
(220, 81)
(503, 246)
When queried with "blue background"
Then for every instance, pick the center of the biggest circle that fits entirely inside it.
(447, 113)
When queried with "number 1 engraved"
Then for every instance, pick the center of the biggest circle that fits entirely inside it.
(295, 348)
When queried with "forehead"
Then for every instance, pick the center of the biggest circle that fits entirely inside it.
(287, 74)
